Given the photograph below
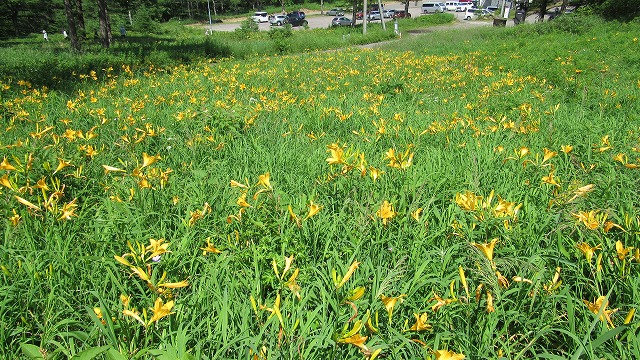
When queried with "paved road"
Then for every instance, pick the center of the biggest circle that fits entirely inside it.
(316, 20)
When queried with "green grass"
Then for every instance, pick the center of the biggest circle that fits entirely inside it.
(464, 106)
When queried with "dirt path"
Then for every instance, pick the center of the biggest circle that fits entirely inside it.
(457, 24)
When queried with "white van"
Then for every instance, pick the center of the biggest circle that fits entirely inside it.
(432, 8)
(260, 17)
(451, 5)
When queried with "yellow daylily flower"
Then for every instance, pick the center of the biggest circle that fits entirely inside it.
(416, 214)
(313, 209)
(390, 302)
(356, 340)
(161, 310)
(275, 310)
(589, 219)
(421, 323)
(548, 154)
(336, 154)
(468, 201)
(490, 307)
(447, 355)
(174, 285)
(587, 250)
(463, 280)
(502, 281)
(487, 248)
(550, 179)
(601, 302)
(346, 276)
(4, 181)
(157, 248)
(294, 217)
(68, 210)
(264, 180)
(15, 219)
(238, 184)
(26, 203)
(582, 192)
(148, 159)
(210, 248)
(293, 285)
(555, 282)
(108, 169)
(439, 302)
(386, 212)
(356, 293)
(125, 300)
(566, 148)
(622, 251)
(608, 225)
(287, 265)
(141, 273)
(375, 173)
(61, 165)
(242, 200)
(4, 165)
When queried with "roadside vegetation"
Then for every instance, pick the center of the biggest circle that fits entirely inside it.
(455, 194)
(53, 64)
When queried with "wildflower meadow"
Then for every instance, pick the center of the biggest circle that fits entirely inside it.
(461, 194)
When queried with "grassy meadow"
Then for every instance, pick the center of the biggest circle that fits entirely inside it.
(454, 194)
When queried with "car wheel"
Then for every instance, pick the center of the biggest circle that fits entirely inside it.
(304, 23)
(279, 23)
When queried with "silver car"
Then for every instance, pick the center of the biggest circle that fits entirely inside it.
(335, 12)
(279, 20)
(341, 21)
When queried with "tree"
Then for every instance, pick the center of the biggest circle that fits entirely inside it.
(105, 24)
(72, 23)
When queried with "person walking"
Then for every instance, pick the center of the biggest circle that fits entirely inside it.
(45, 35)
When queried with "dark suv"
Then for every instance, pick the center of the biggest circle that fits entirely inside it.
(296, 18)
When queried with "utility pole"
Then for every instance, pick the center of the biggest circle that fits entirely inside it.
(364, 18)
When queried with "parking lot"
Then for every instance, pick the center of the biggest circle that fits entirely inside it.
(317, 20)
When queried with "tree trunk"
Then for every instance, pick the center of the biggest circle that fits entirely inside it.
(406, 8)
(543, 10)
(72, 24)
(79, 15)
(105, 24)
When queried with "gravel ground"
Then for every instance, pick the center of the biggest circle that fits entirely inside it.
(316, 20)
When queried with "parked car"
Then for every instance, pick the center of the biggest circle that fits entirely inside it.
(399, 14)
(432, 8)
(374, 15)
(487, 13)
(295, 19)
(299, 14)
(341, 21)
(451, 5)
(463, 6)
(492, 8)
(279, 20)
(260, 17)
(335, 12)
(388, 13)
(472, 13)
